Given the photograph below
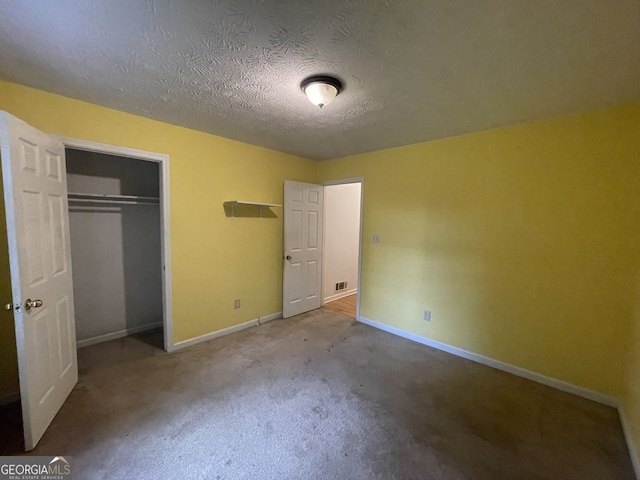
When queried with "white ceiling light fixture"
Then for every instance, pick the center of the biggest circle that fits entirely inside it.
(321, 90)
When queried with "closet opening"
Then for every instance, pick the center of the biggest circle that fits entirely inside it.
(116, 235)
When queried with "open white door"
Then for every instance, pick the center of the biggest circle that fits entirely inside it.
(302, 286)
(35, 192)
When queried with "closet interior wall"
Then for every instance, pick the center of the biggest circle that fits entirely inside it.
(115, 246)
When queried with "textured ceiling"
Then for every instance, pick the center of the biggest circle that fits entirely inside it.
(413, 70)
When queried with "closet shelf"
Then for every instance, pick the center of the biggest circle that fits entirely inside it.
(103, 198)
(234, 203)
(258, 204)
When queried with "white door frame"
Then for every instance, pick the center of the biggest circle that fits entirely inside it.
(344, 181)
(163, 160)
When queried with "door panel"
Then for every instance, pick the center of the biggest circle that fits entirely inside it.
(41, 382)
(57, 213)
(54, 169)
(35, 192)
(312, 279)
(313, 231)
(67, 352)
(303, 204)
(29, 156)
(295, 229)
(32, 237)
(295, 277)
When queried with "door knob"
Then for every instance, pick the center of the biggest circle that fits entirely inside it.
(29, 304)
(288, 257)
(7, 307)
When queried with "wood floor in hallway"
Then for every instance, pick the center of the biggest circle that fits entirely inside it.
(346, 305)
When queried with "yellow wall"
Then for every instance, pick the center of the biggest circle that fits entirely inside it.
(215, 259)
(521, 240)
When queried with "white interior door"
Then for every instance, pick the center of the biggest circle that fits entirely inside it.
(302, 286)
(35, 192)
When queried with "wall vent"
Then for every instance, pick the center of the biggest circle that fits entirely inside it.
(341, 286)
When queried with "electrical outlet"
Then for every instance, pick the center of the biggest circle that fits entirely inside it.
(427, 315)
(236, 303)
(375, 238)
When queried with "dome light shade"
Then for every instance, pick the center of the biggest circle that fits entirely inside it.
(321, 90)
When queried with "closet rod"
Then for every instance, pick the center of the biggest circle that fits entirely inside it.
(104, 196)
(125, 202)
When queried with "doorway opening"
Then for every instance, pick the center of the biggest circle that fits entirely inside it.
(310, 282)
(342, 245)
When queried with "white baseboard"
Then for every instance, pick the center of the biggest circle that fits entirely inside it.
(226, 331)
(9, 398)
(634, 453)
(340, 295)
(119, 334)
(268, 318)
(520, 372)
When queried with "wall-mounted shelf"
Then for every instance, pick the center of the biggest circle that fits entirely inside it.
(234, 203)
(122, 199)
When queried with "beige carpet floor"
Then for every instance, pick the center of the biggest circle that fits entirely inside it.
(320, 396)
